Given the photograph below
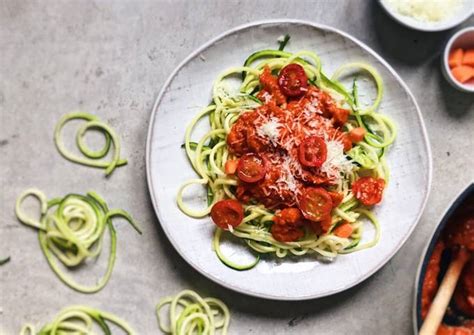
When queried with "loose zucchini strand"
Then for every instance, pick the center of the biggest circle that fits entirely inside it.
(71, 230)
(79, 320)
(283, 42)
(92, 158)
(216, 242)
(190, 314)
(4, 260)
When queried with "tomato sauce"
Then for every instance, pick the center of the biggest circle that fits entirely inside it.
(275, 131)
(459, 232)
(430, 283)
(464, 294)
(465, 329)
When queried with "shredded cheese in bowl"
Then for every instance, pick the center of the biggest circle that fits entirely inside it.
(426, 10)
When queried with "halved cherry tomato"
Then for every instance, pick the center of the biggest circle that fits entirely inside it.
(313, 151)
(227, 213)
(231, 166)
(251, 168)
(368, 190)
(336, 198)
(316, 204)
(357, 134)
(293, 81)
(286, 233)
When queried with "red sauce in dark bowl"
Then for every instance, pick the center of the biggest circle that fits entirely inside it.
(459, 232)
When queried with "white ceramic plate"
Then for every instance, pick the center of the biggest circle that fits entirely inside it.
(461, 15)
(188, 89)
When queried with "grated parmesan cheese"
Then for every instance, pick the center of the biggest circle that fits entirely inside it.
(312, 108)
(336, 164)
(289, 180)
(426, 10)
(269, 129)
(266, 97)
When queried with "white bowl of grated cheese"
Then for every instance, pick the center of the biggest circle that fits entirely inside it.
(429, 15)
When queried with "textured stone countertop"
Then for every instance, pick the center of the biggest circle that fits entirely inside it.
(111, 58)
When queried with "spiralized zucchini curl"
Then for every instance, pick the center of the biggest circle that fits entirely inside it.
(92, 158)
(80, 320)
(71, 230)
(189, 313)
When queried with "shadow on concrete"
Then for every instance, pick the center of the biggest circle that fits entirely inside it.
(456, 103)
(413, 48)
(401, 43)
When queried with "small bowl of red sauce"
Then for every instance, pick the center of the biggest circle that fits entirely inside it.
(459, 317)
(458, 60)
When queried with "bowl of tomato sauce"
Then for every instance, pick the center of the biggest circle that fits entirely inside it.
(437, 255)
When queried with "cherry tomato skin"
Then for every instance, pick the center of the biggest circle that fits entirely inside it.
(251, 168)
(293, 81)
(286, 233)
(316, 204)
(227, 213)
(312, 152)
(368, 190)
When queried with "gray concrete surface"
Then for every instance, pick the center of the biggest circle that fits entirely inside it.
(111, 58)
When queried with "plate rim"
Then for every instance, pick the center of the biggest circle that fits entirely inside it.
(212, 41)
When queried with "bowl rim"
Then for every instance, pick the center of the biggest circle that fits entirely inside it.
(447, 70)
(456, 201)
(253, 24)
(423, 26)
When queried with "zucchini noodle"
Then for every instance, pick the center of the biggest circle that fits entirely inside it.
(71, 230)
(79, 320)
(216, 244)
(92, 158)
(190, 314)
(209, 154)
(5, 260)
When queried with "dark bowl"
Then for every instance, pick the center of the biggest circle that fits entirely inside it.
(453, 316)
